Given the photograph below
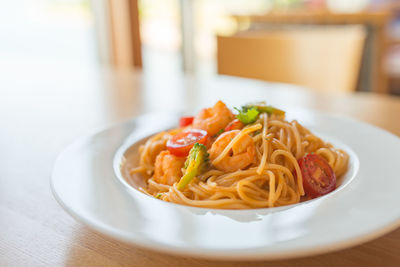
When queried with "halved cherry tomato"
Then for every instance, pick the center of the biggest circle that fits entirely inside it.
(234, 125)
(181, 143)
(185, 121)
(318, 177)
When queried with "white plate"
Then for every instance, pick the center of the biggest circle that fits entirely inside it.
(365, 206)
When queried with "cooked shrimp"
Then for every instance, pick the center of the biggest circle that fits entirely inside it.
(150, 150)
(168, 168)
(213, 119)
(157, 146)
(241, 155)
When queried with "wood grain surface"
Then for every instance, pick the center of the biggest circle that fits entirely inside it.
(44, 110)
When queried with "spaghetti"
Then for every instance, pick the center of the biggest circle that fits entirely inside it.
(268, 162)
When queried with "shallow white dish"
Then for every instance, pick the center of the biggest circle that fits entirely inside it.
(88, 184)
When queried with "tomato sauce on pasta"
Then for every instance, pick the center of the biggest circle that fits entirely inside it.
(253, 159)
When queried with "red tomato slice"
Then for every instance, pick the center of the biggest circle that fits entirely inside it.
(185, 121)
(181, 143)
(318, 177)
(234, 125)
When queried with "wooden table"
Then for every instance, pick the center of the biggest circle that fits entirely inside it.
(45, 109)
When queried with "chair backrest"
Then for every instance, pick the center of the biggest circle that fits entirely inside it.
(324, 58)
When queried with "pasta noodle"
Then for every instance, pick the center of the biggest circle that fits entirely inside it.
(270, 147)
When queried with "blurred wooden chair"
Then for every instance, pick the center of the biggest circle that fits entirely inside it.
(321, 58)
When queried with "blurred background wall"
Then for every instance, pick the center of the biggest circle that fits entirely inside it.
(207, 37)
(47, 32)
